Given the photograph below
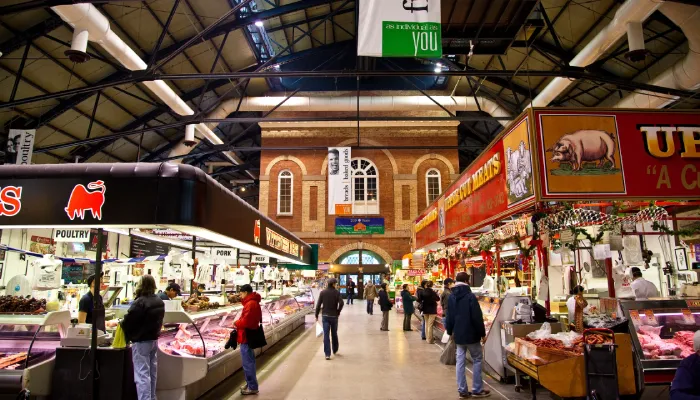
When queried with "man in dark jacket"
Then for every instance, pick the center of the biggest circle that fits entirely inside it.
(351, 291)
(385, 305)
(444, 297)
(142, 325)
(465, 324)
(408, 308)
(429, 298)
(332, 303)
(419, 291)
(686, 383)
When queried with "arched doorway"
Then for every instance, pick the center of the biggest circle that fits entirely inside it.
(360, 265)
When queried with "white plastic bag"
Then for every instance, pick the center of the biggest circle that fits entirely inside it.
(445, 337)
(319, 329)
(544, 332)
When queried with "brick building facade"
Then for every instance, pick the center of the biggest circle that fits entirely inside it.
(401, 176)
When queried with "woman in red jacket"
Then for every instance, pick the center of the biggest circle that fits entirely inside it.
(251, 317)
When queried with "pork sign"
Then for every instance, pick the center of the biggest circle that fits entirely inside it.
(644, 154)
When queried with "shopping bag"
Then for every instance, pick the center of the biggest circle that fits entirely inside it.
(449, 354)
(119, 341)
(445, 337)
(319, 329)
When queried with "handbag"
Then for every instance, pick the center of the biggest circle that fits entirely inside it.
(256, 337)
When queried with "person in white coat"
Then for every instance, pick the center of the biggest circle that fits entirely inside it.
(643, 289)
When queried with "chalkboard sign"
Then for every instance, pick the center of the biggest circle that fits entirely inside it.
(141, 247)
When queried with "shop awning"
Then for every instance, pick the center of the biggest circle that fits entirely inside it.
(144, 195)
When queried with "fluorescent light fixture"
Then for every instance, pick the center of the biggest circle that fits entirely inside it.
(438, 70)
(259, 24)
(439, 65)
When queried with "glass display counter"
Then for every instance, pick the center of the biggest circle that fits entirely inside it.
(192, 357)
(662, 333)
(28, 347)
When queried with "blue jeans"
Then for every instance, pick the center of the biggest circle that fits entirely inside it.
(249, 366)
(144, 356)
(477, 356)
(370, 307)
(351, 296)
(330, 331)
(422, 327)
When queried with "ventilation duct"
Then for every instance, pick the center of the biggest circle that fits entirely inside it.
(630, 11)
(367, 104)
(78, 47)
(90, 24)
(685, 74)
(635, 42)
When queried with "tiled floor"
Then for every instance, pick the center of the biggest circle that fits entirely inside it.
(370, 365)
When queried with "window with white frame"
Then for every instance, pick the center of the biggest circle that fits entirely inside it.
(284, 192)
(433, 185)
(365, 186)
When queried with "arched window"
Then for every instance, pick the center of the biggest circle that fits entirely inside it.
(433, 185)
(353, 257)
(365, 186)
(285, 193)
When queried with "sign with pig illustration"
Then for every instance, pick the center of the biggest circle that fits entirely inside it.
(644, 154)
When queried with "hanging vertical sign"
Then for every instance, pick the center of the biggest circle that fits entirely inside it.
(400, 28)
(339, 176)
(20, 146)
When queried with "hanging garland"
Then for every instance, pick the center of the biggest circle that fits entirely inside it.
(659, 227)
(430, 260)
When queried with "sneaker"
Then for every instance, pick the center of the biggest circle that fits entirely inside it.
(328, 357)
(483, 393)
(465, 395)
(248, 392)
(244, 387)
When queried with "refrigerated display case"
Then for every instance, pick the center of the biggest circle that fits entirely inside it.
(192, 358)
(28, 346)
(662, 334)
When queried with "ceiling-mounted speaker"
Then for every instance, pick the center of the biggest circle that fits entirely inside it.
(189, 135)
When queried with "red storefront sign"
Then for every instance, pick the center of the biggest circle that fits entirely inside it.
(642, 154)
(496, 184)
(425, 227)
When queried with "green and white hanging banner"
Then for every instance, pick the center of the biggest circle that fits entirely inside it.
(400, 28)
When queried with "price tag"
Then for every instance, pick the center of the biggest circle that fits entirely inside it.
(651, 318)
(614, 315)
(634, 315)
(688, 316)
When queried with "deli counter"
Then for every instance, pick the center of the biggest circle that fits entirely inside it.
(192, 358)
(662, 335)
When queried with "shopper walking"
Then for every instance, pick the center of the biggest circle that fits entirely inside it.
(142, 325)
(408, 309)
(465, 324)
(385, 305)
(251, 318)
(351, 291)
(444, 297)
(370, 293)
(331, 302)
(686, 383)
(419, 302)
(429, 299)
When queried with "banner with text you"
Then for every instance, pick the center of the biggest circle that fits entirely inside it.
(400, 28)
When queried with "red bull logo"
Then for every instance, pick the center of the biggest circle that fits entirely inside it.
(81, 200)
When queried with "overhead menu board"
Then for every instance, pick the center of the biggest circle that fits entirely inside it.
(141, 247)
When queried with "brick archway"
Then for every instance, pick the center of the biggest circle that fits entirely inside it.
(442, 158)
(360, 246)
(285, 158)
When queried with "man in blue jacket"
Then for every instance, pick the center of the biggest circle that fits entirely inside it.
(465, 324)
(686, 383)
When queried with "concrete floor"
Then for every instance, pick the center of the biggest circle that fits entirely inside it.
(370, 365)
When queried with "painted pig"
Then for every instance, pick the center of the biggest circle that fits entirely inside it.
(586, 145)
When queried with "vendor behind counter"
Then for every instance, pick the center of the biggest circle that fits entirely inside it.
(86, 307)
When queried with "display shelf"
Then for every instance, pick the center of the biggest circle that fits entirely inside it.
(662, 333)
(33, 348)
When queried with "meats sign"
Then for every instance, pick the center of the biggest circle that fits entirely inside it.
(618, 154)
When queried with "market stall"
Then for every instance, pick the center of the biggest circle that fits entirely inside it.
(137, 200)
(563, 198)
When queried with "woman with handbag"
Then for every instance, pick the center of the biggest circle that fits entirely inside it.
(142, 325)
(249, 323)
